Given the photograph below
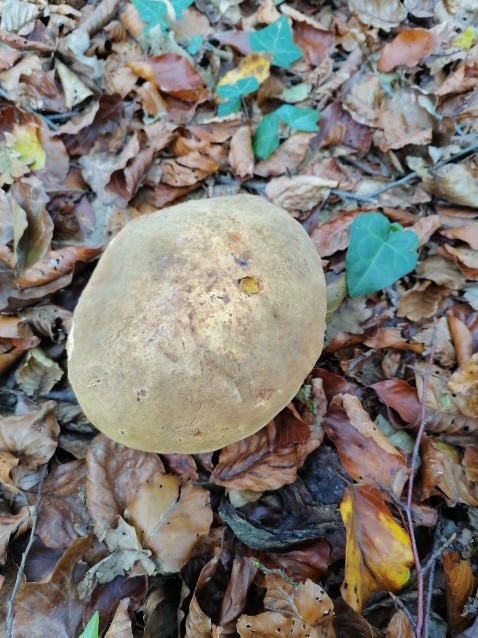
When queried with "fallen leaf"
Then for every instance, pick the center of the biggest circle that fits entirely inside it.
(289, 154)
(470, 463)
(424, 228)
(314, 43)
(31, 437)
(407, 49)
(400, 626)
(170, 519)
(461, 337)
(198, 624)
(384, 15)
(378, 552)
(299, 193)
(268, 459)
(455, 183)
(187, 170)
(421, 301)
(401, 397)
(332, 236)
(459, 587)
(38, 374)
(366, 454)
(11, 525)
(241, 154)
(467, 233)
(443, 469)
(173, 74)
(115, 474)
(63, 515)
(121, 624)
(256, 65)
(338, 127)
(52, 607)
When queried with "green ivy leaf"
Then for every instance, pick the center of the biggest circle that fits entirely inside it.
(298, 118)
(241, 87)
(153, 12)
(266, 137)
(194, 44)
(379, 254)
(233, 93)
(179, 6)
(276, 39)
(91, 629)
(229, 107)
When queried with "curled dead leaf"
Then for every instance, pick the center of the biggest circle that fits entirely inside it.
(459, 586)
(299, 193)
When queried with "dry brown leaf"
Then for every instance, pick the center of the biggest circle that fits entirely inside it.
(441, 271)
(376, 13)
(314, 43)
(440, 332)
(331, 236)
(285, 158)
(270, 458)
(426, 227)
(467, 233)
(407, 49)
(115, 474)
(187, 170)
(390, 338)
(241, 154)
(422, 301)
(55, 265)
(63, 515)
(470, 463)
(399, 626)
(456, 183)
(235, 596)
(461, 337)
(31, 437)
(442, 468)
(121, 624)
(338, 127)
(170, 519)
(303, 609)
(459, 586)
(366, 453)
(401, 397)
(198, 624)
(299, 193)
(52, 607)
(173, 74)
(11, 524)
(403, 119)
(465, 258)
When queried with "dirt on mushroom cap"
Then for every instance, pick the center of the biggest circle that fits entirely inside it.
(186, 338)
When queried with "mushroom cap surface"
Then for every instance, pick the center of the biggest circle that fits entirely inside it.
(198, 325)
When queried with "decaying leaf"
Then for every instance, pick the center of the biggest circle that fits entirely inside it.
(270, 458)
(407, 48)
(366, 453)
(170, 519)
(115, 474)
(443, 469)
(378, 552)
(459, 586)
(293, 609)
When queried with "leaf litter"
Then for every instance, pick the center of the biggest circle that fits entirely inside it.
(335, 113)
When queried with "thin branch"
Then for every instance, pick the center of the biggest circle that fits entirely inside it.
(371, 197)
(21, 569)
(405, 610)
(436, 553)
(413, 469)
(429, 588)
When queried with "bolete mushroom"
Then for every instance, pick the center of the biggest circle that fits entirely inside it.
(198, 325)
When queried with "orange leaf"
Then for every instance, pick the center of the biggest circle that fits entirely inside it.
(170, 519)
(399, 626)
(378, 551)
(367, 455)
(459, 587)
(407, 49)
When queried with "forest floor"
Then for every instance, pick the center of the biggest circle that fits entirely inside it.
(353, 513)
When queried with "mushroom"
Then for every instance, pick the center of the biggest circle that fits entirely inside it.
(198, 325)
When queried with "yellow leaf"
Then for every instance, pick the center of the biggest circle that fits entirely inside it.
(24, 144)
(255, 65)
(465, 40)
(378, 551)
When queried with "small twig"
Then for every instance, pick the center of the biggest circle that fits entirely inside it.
(429, 588)
(21, 569)
(370, 197)
(413, 469)
(436, 553)
(403, 607)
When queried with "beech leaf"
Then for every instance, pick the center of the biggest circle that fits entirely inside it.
(379, 254)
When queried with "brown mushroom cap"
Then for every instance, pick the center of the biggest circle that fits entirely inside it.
(198, 325)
